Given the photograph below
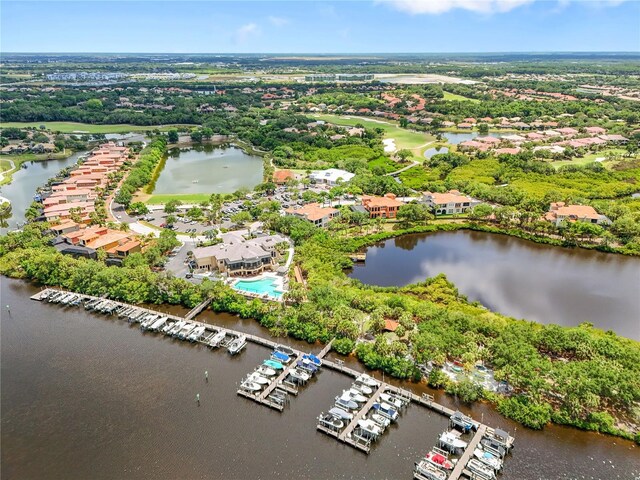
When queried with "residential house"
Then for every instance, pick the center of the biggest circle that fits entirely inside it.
(449, 203)
(314, 213)
(383, 207)
(559, 212)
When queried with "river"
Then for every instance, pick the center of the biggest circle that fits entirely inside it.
(88, 396)
(516, 277)
(25, 182)
(208, 169)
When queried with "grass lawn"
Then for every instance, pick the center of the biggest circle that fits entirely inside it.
(71, 127)
(404, 138)
(164, 198)
(459, 98)
(591, 157)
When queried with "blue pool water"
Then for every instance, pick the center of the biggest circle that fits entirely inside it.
(260, 287)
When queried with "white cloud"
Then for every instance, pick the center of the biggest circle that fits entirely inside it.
(245, 32)
(278, 21)
(434, 7)
(417, 7)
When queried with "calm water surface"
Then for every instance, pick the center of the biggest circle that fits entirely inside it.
(88, 396)
(517, 278)
(25, 181)
(209, 169)
(430, 152)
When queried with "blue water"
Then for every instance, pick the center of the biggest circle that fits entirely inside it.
(262, 286)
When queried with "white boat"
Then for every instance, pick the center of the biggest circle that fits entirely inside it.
(370, 427)
(195, 335)
(250, 386)
(341, 413)
(430, 471)
(176, 327)
(217, 338)
(168, 326)
(185, 331)
(155, 326)
(259, 379)
(354, 395)
(451, 441)
(481, 470)
(265, 371)
(394, 402)
(237, 345)
(331, 421)
(298, 374)
(488, 458)
(362, 388)
(380, 420)
(367, 380)
(346, 403)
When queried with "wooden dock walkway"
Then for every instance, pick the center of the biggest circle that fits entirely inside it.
(197, 309)
(345, 436)
(468, 453)
(279, 379)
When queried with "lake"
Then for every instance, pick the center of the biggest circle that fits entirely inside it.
(208, 169)
(516, 277)
(25, 182)
(89, 396)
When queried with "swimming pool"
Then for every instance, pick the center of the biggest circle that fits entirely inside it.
(266, 285)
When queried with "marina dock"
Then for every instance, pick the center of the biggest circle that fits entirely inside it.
(275, 394)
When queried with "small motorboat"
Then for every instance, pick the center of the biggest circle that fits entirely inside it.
(299, 375)
(362, 388)
(439, 459)
(313, 359)
(451, 441)
(307, 365)
(430, 471)
(285, 350)
(217, 338)
(281, 357)
(380, 420)
(237, 345)
(492, 446)
(331, 421)
(488, 458)
(250, 386)
(370, 427)
(462, 422)
(355, 395)
(481, 470)
(195, 181)
(259, 379)
(367, 380)
(346, 403)
(386, 410)
(393, 401)
(273, 364)
(265, 371)
(341, 413)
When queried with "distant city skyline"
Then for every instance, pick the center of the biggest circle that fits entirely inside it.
(356, 27)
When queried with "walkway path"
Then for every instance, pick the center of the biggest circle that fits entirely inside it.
(6, 172)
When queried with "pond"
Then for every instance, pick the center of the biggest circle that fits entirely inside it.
(430, 152)
(208, 169)
(457, 138)
(516, 277)
(25, 182)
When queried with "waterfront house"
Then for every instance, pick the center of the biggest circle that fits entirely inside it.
(559, 212)
(384, 207)
(314, 213)
(449, 203)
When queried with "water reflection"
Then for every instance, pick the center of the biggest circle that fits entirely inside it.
(515, 277)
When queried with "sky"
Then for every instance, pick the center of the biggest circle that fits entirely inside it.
(361, 26)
